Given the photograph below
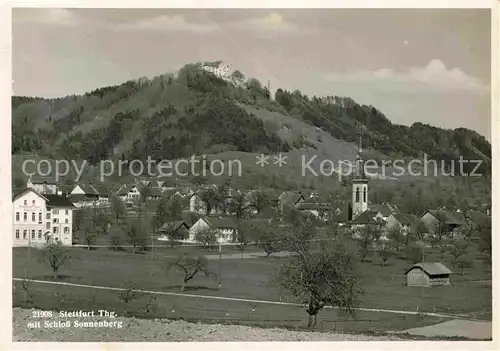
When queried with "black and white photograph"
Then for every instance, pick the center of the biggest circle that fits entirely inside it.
(251, 174)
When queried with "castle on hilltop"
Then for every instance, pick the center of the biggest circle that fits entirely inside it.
(219, 68)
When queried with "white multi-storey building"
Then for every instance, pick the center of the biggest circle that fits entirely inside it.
(39, 218)
(29, 223)
(224, 228)
(219, 68)
(61, 213)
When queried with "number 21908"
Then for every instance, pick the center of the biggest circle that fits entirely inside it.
(42, 314)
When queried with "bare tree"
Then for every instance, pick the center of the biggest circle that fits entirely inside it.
(317, 279)
(118, 208)
(207, 237)
(117, 236)
(463, 262)
(322, 278)
(26, 287)
(485, 245)
(210, 199)
(269, 238)
(259, 200)
(365, 241)
(190, 266)
(383, 253)
(238, 205)
(128, 293)
(136, 233)
(396, 237)
(418, 229)
(174, 231)
(247, 232)
(95, 224)
(414, 254)
(56, 255)
(458, 249)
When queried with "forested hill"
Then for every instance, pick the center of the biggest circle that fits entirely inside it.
(193, 111)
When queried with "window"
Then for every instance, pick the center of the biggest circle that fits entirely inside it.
(33, 216)
(54, 230)
(17, 216)
(67, 212)
(25, 234)
(47, 216)
(364, 195)
(17, 233)
(33, 234)
(25, 202)
(25, 217)
(39, 234)
(66, 220)
(40, 217)
(66, 230)
(33, 202)
(357, 195)
(55, 220)
(47, 226)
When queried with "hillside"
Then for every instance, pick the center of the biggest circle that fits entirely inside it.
(194, 112)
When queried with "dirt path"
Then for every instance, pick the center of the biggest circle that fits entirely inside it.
(234, 298)
(158, 330)
(461, 328)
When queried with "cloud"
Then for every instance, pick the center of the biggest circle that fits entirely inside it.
(434, 75)
(54, 16)
(273, 22)
(168, 23)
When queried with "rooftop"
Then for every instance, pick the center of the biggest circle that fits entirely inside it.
(367, 217)
(431, 268)
(221, 222)
(58, 201)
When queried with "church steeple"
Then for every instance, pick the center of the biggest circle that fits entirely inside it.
(360, 168)
(359, 184)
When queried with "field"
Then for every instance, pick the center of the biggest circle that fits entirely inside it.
(243, 278)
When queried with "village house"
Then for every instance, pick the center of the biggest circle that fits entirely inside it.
(290, 198)
(151, 192)
(225, 228)
(88, 195)
(42, 185)
(34, 214)
(128, 193)
(319, 210)
(441, 219)
(179, 226)
(476, 219)
(197, 205)
(369, 218)
(398, 220)
(386, 209)
(270, 196)
(427, 274)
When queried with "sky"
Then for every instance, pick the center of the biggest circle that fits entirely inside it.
(414, 65)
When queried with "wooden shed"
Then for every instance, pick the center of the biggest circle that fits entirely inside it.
(428, 274)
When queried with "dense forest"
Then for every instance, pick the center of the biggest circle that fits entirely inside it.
(195, 112)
